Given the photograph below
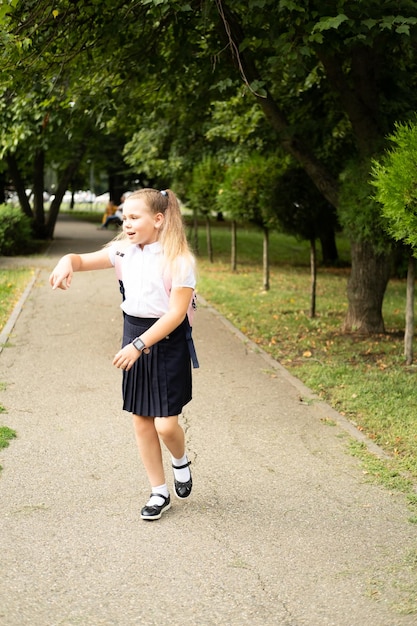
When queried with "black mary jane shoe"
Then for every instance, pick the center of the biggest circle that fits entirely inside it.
(154, 511)
(183, 490)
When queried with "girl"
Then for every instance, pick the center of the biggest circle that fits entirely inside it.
(157, 283)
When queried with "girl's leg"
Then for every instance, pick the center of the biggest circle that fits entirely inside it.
(150, 451)
(171, 434)
(149, 448)
(173, 437)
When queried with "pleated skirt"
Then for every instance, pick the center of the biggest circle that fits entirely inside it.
(160, 383)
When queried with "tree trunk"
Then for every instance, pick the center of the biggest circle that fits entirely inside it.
(359, 103)
(313, 271)
(63, 184)
(409, 312)
(329, 251)
(195, 232)
(366, 288)
(209, 240)
(321, 176)
(2, 188)
(19, 184)
(38, 189)
(234, 246)
(266, 258)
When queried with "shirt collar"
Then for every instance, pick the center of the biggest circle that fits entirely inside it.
(153, 248)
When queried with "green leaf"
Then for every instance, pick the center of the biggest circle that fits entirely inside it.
(404, 29)
(370, 23)
(330, 23)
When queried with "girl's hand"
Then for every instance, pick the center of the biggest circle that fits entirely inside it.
(127, 357)
(61, 276)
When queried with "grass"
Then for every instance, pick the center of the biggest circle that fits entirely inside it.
(6, 434)
(12, 284)
(364, 378)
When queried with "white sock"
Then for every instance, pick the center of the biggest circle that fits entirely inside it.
(155, 500)
(184, 474)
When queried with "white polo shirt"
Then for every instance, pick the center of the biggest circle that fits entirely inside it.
(143, 280)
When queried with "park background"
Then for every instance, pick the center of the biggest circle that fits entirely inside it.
(287, 129)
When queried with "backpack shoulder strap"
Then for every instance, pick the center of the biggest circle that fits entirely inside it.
(188, 319)
(118, 268)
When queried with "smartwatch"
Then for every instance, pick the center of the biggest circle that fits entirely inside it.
(138, 343)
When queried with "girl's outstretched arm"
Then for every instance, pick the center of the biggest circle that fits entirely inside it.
(61, 275)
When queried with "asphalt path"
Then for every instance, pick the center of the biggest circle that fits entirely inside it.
(283, 527)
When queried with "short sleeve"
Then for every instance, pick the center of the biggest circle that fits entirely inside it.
(184, 276)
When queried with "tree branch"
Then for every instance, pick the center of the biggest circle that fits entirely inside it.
(318, 173)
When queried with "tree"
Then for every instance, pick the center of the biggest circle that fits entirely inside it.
(326, 78)
(395, 180)
(203, 191)
(330, 80)
(247, 194)
(57, 99)
(52, 133)
(303, 212)
(351, 49)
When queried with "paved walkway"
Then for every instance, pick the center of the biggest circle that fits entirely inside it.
(282, 528)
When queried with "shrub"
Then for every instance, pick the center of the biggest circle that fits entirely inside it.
(15, 231)
(395, 179)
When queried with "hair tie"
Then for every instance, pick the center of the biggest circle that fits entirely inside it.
(164, 193)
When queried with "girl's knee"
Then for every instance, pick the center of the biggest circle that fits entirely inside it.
(167, 427)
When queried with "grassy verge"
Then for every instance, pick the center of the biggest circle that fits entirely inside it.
(13, 282)
(364, 378)
(12, 285)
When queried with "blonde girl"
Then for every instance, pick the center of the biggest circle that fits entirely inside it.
(157, 280)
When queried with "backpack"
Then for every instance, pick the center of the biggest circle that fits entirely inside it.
(192, 307)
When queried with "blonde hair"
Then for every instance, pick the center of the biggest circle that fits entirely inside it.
(172, 234)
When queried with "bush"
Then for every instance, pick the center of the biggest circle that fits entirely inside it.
(395, 179)
(15, 231)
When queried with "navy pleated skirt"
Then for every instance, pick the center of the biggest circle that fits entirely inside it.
(159, 384)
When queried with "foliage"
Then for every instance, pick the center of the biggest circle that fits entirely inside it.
(359, 214)
(203, 188)
(300, 209)
(177, 79)
(395, 180)
(237, 127)
(15, 232)
(249, 188)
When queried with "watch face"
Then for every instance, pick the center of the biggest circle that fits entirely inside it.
(138, 343)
